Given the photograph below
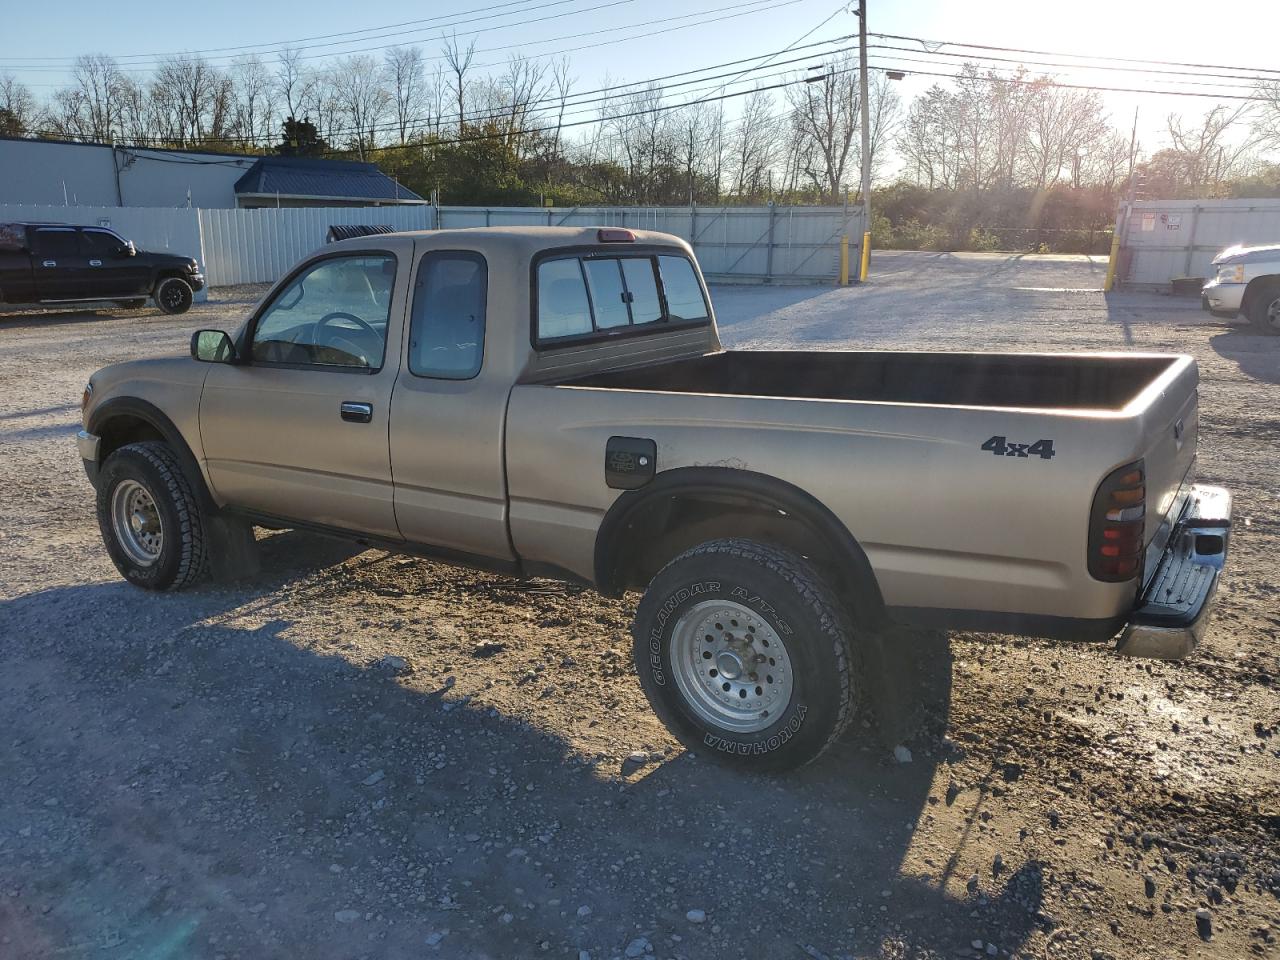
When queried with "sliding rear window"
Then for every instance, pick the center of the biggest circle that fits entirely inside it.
(587, 296)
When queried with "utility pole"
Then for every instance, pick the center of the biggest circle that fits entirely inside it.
(866, 140)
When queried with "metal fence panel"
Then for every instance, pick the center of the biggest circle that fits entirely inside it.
(1178, 238)
(257, 246)
(800, 244)
(731, 243)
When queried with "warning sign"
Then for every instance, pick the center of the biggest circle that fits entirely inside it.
(1148, 223)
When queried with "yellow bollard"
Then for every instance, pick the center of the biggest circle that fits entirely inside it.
(1110, 282)
(866, 255)
(844, 260)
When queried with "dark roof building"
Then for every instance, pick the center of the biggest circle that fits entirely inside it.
(302, 181)
(52, 172)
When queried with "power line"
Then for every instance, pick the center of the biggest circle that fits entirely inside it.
(140, 67)
(530, 131)
(275, 46)
(1072, 66)
(577, 101)
(756, 6)
(1071, 86)
(1084, 56)
(792, 44)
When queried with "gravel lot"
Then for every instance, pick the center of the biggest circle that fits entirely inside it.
(363, 755)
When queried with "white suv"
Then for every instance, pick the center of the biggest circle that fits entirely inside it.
(1247, 280)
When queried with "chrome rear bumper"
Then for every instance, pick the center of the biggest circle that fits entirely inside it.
(1174, 611)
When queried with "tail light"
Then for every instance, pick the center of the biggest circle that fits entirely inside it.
(1117, 524)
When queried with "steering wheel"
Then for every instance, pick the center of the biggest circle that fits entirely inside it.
(364, 326)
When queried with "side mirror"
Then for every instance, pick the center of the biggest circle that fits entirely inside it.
(127, 249)
(212, 346)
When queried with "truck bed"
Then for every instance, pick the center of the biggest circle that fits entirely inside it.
(1080, 382)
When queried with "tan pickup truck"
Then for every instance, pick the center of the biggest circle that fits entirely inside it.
(555, 402)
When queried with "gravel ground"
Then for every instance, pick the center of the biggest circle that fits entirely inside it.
(363, 755)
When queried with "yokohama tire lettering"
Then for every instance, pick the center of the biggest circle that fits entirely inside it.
(762, 746)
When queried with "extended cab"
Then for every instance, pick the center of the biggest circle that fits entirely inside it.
(556, 402)
(51, 263)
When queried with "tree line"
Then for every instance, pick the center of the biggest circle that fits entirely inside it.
(985, 160)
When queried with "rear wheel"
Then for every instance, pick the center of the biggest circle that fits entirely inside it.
(150, 519)
(746, 655)
(1264, 308)
(174, 295)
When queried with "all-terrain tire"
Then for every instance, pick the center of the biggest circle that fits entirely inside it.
(793, 604)
(182, 558)
(1264, 308)
(174, 295)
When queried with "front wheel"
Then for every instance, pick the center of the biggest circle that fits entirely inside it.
(150, 519)
(1264, 308)
(174, 295)
(745, 654)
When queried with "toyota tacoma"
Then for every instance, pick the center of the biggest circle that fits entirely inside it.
(555, 402)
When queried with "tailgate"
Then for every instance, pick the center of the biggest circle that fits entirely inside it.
(1170, 428)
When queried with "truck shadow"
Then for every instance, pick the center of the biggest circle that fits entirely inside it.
(195, 774)
(1257, 355)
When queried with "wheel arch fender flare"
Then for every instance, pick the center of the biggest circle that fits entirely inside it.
(132, 409)
(730, 484)
(1254, 286)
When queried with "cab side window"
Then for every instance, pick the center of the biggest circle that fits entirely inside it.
(55, 244)
(446, 329)
(333, 314)
(99, 244)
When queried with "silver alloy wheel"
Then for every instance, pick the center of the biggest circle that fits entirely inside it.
(731, 666)
(136, 522)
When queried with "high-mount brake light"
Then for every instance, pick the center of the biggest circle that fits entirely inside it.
(615, 235)
(1117, 524)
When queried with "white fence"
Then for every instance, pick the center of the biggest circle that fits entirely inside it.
(1164, 239)
(799, 244)
(257, 246)
(743, 243)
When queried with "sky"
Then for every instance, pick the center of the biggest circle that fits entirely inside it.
(1171, 30)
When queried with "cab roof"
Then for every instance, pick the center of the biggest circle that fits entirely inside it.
(525, 242)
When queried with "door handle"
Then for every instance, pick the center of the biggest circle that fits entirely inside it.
(354, 412)
(50, 263)
(95, 263)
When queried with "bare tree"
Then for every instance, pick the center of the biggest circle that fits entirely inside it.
(254, 104)
(459, 62)
(17, 107)
(755, 144)
(191, 94)
(562, 84)
(90, 108)
(1266, 126)
(357, 85)
(319, 102)
(1206, 155)
(520, 89)
(1063, 125)
(291, 79)
(405, 77)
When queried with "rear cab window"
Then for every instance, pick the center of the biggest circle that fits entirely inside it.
(584, 295)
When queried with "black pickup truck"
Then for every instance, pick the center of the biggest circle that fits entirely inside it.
(62, 263)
